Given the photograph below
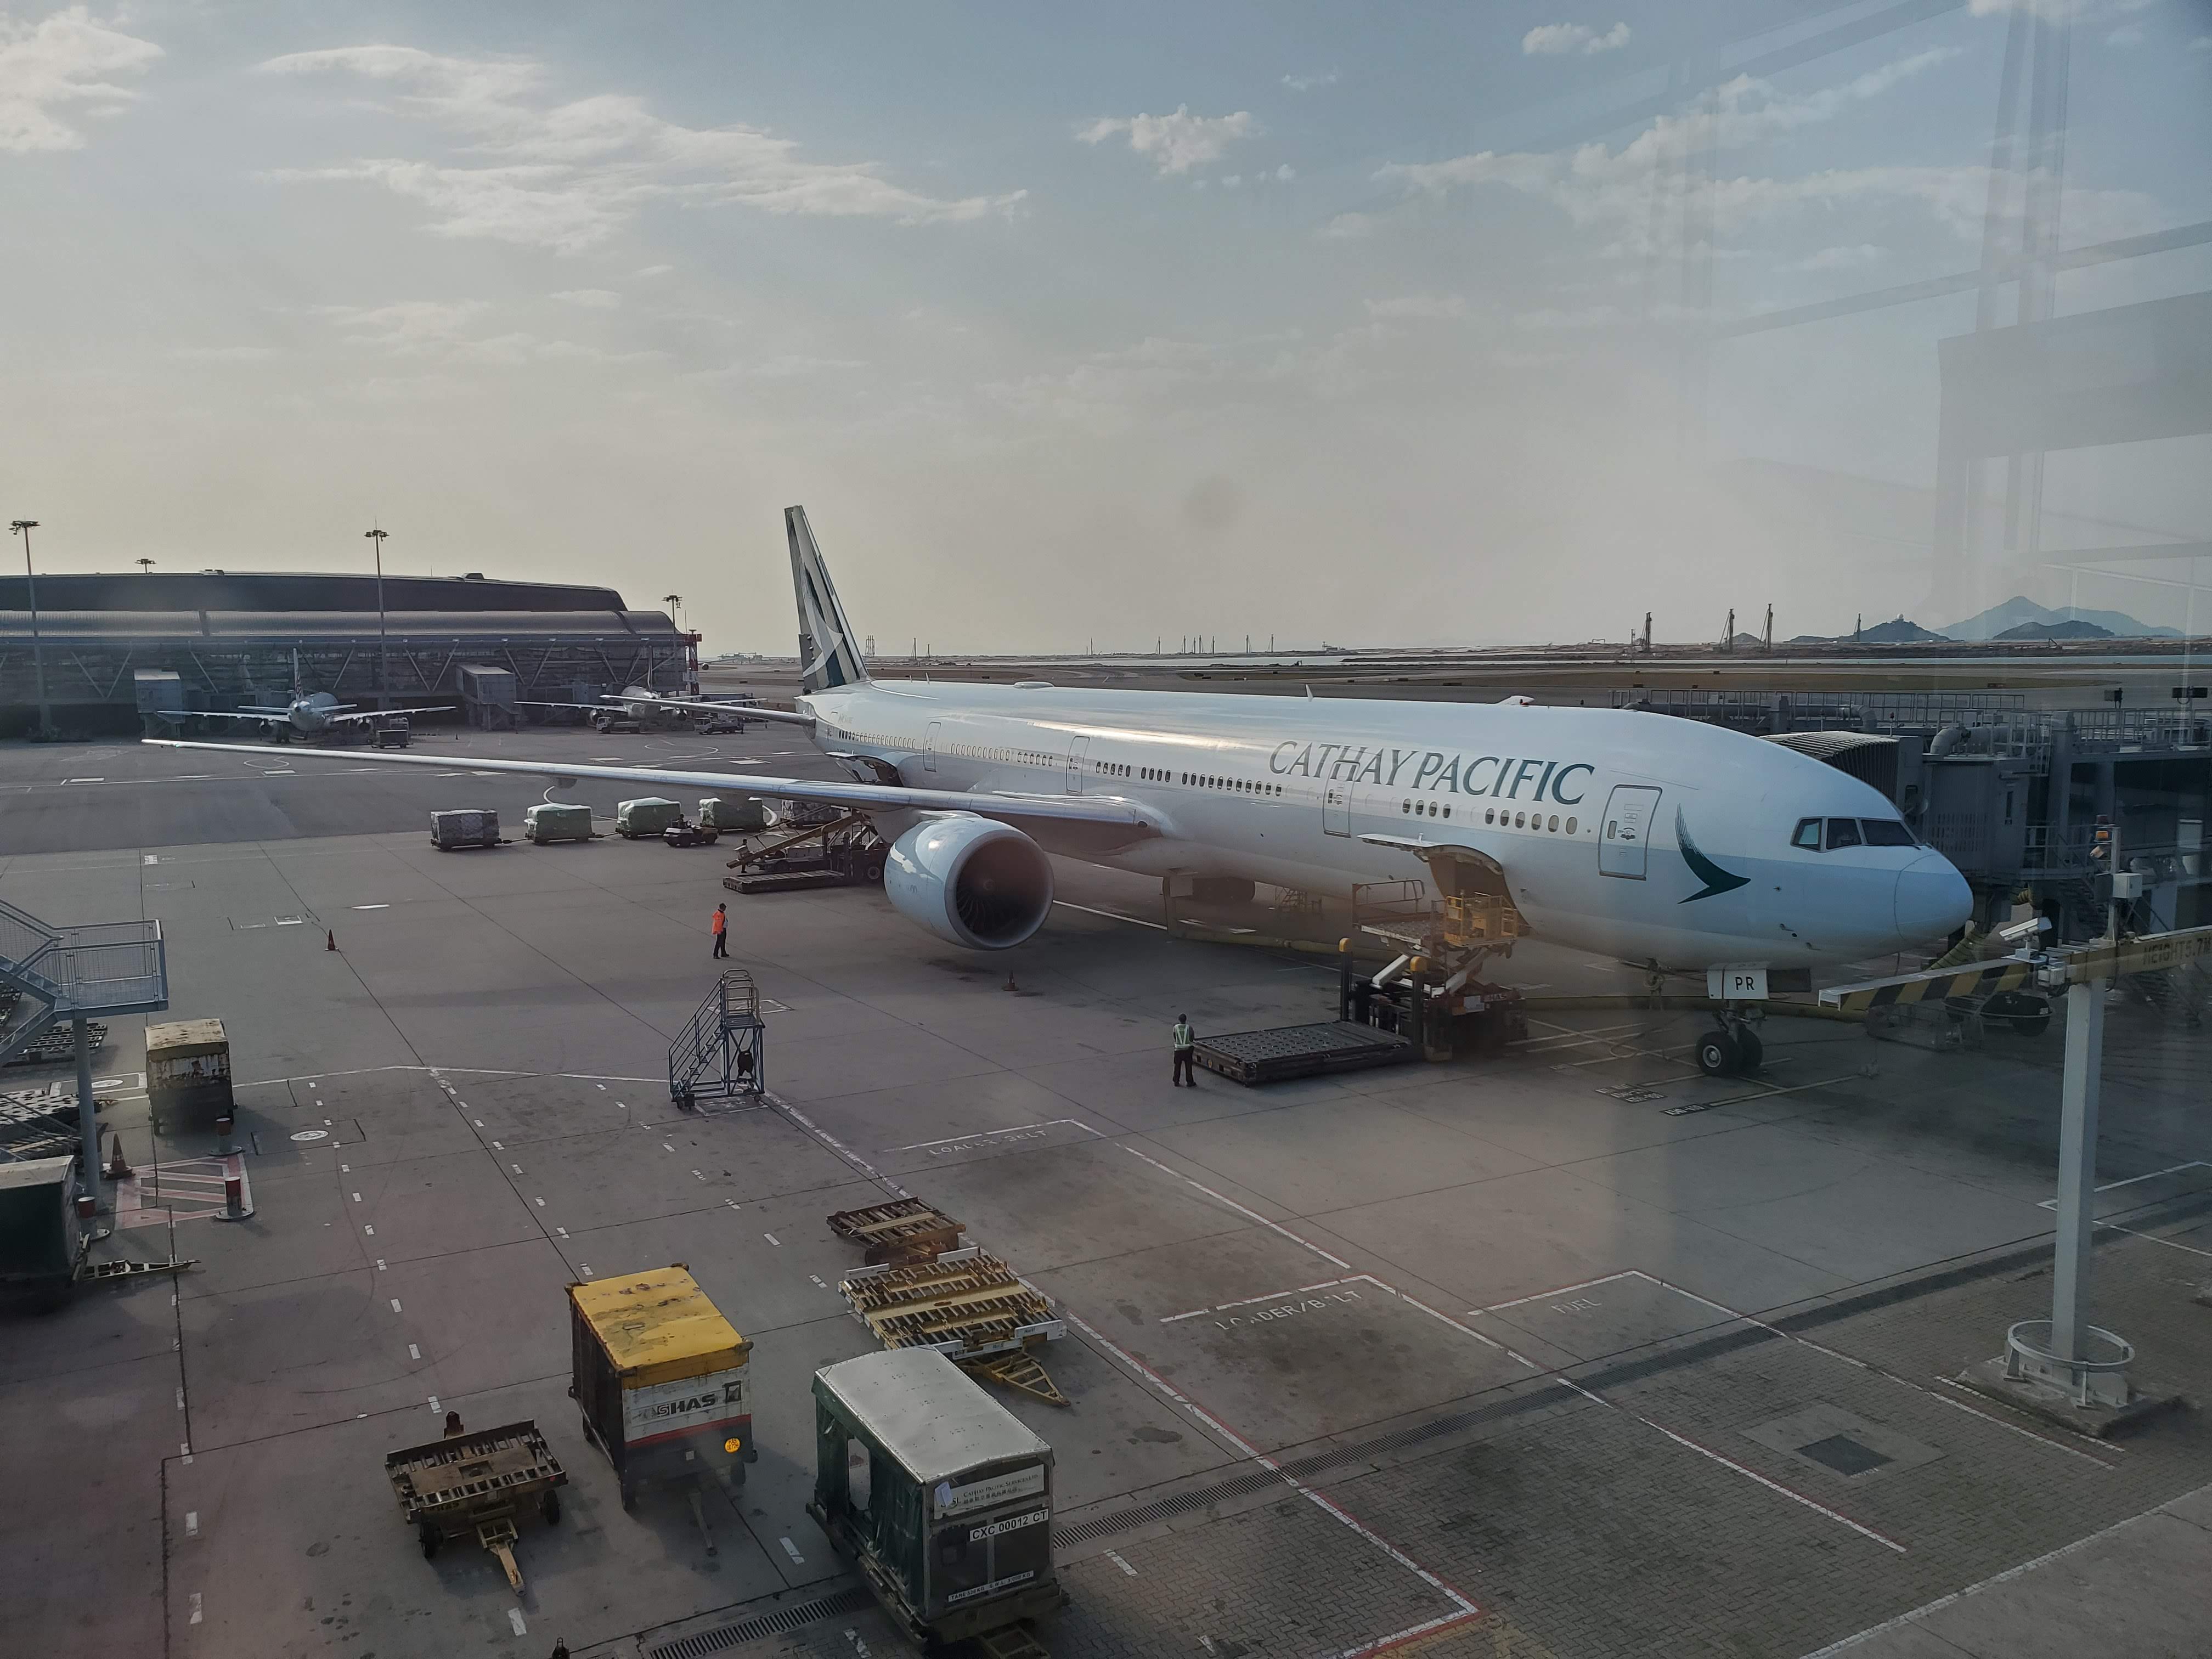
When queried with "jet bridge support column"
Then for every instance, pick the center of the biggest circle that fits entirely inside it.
(88, 1123)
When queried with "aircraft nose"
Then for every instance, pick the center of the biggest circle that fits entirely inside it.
(1932, 898)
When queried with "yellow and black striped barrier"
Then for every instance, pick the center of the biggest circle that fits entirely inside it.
(1983, 980)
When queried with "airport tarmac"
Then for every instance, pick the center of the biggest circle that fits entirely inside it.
(1571, 1351)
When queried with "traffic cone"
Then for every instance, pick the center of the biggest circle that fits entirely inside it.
(117, 1169)
(330, 938)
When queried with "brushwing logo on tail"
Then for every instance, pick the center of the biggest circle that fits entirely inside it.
(1716, 879)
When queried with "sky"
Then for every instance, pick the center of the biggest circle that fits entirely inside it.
(1310, 323)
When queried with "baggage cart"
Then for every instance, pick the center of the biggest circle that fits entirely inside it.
(477, 1485)
(942, 1495)
(740, 815)
(660, 1376)
(187, 1073)
(551, 821)
(646, 817)
(468, 826)
(902, 1231)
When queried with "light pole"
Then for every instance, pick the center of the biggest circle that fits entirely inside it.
(23, 527)
(383, 678)
(675, 604)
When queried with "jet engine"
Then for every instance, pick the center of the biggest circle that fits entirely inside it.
(970, 881)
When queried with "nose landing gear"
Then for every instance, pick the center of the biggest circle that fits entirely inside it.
(1732, 1049)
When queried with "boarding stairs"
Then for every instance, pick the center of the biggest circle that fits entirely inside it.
(721, 1054)
(62, 974)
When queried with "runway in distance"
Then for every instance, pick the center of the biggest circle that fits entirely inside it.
(1638, 837)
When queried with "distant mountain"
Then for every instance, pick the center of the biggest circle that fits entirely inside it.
(1899, 632)
(1992, 623)
(2062, 630)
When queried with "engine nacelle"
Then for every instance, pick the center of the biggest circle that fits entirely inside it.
(970, 881)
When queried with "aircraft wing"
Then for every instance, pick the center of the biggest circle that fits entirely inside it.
(589, 708)
(743, 711)
(388, 713)
(858, 797)
(248, 714)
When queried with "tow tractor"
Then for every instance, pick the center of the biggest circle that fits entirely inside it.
(684, 833)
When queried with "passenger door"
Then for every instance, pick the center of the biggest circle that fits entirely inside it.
(1079, 755)
(1629, 812)
(1336, 808)
(929, 745)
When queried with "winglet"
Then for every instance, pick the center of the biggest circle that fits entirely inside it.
(828, 655)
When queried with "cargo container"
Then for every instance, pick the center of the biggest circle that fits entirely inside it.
(473, 826)
(660, 1376)
(744, 815)
(556, 821)
(939, 1491)
(649, 816)
(38, 1235)
(187, 1073)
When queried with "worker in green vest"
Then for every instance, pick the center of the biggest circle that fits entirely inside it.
(1183, 1042)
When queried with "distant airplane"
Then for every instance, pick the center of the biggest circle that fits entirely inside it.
(642, 703)
(1642, 837)
(310, 714)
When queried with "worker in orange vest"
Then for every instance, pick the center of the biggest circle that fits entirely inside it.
(721, 926)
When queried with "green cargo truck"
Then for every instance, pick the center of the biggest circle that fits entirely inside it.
(647, 817)
(556, 821)
(939, 1492)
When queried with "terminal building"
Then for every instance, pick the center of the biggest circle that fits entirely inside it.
(111, 648)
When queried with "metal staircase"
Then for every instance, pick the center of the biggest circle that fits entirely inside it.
(53, 976)
(722, 1053)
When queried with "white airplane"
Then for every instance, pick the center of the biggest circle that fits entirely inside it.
(310, 714)
(1639, 836)
(641, 702)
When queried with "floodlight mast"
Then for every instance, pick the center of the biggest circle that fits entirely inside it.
(23, 527)
(383, 676)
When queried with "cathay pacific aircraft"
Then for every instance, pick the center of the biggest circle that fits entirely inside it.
(1642, 837)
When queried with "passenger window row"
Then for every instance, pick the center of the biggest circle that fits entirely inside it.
(1235, 786)
(1492, 815)
(1827, 835)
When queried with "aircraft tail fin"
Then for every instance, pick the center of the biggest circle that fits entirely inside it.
(828, 654)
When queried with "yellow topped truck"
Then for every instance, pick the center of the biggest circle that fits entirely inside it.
(660, 1378)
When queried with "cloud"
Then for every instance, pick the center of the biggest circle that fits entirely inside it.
(655, 270)
(1839, 258)
(441, 331)
(1613, 192)
(63, 62)
(1552, 40)
(1309, 83)
(1287, 173)
(230, 354)
(1347, 226)
(571, 175)
(1176, 142)
(591, 299)
(1423, 306)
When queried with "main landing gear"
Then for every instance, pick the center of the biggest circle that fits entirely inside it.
(1732, 1049)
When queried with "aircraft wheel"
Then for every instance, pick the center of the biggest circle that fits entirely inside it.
(1750, 1051)
(1716, 1054)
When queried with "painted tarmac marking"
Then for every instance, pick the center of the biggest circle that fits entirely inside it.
(180, 1400)
(773, 1240)
(379, 1264)
(517, 1168)
(1116, 1557)
(434, 1402)
(540, 1202)
(1112, 915)
(356, 1198)
(1334, 1260)
(514, 1617)
(195, 1619)
(1540, 1295)
(369, 1231)
(191, 1523)
(150, 859)
(395, 1301)
(954, 1142)
(372, 906)
(477, 1122)
(414, 1352)
(563, 1231)
(665, 1147)
(1466, 1609)
(585, 1268)
(792, 1549)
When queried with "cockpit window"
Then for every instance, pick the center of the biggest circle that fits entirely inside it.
(1806, 835)
(1885, 832)
(1842, 832)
